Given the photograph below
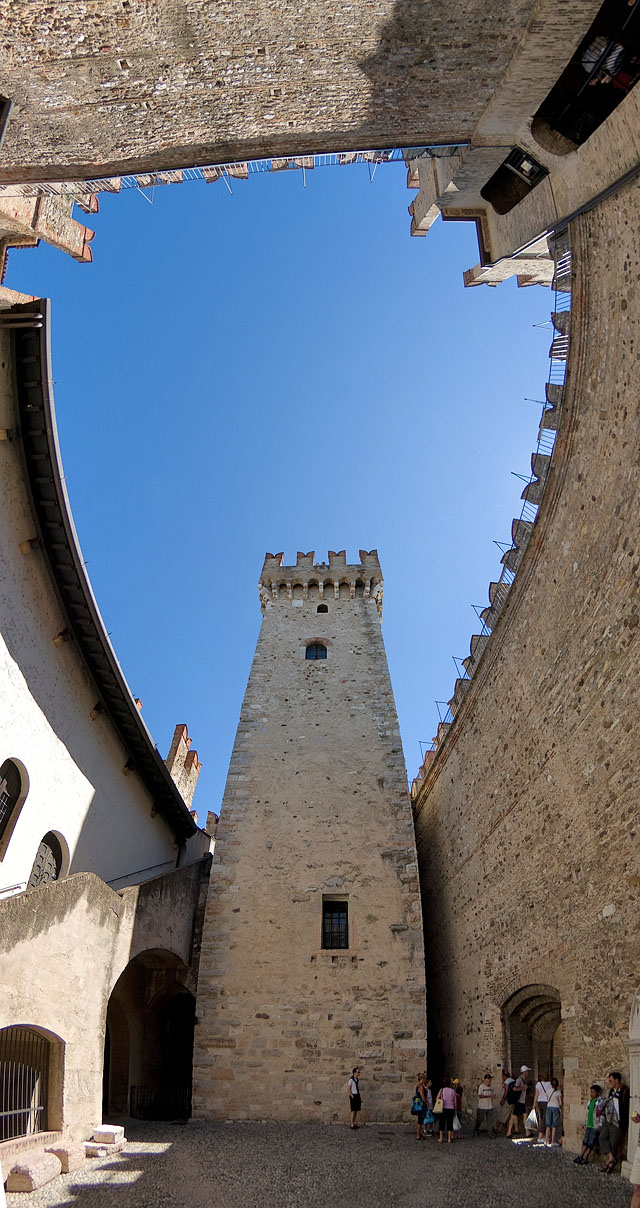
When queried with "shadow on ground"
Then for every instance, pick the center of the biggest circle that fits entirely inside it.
(286, 1166)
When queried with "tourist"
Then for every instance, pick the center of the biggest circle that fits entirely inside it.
(447, 1097)
(421, 1094)
(554, 1114)
(504, 1109)
(517, 1096)
(355, 1102)
(484, 1108)
(429, 1118)
(457, 1119)
(540, 1100)
(615, 1117)
(592, 1124)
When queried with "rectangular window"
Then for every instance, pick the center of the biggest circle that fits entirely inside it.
(335, 924)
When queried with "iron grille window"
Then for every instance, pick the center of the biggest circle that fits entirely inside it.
(335, 925)
(24, 1081)
(315, 650)
(10, 786)
(48, 862)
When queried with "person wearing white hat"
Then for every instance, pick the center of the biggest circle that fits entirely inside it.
(518, 1095)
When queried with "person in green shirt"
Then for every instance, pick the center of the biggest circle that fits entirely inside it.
(593, 1125)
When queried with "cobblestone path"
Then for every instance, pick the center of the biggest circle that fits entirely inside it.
(321, 1166)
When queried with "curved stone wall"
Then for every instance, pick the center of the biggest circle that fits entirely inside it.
(527, 817)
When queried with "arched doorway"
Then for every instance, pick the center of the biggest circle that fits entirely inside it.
(634, 1079)
(149, 1040)
(532, 1024)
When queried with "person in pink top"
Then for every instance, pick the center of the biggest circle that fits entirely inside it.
(448, 1096)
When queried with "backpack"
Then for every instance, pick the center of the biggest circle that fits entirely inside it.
(513, 1094)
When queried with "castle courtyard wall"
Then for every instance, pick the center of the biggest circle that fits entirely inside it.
(527, 819)
(63, 947)
(133, 85)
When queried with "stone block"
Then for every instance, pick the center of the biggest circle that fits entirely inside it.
(93, 1150)
(71, 1156)
(108, 1134)
(33, 1171)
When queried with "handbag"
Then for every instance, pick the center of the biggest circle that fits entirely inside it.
(418, 1105)
(438, 1106)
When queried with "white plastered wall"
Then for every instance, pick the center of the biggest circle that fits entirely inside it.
(77, 787)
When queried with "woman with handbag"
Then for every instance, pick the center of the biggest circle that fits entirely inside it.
(445, 1108)
(420, 1105)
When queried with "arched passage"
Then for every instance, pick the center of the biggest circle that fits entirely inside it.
(634, 1075)
(532, 1024)
(149, 1039)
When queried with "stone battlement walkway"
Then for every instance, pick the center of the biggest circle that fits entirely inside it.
(285, 1166)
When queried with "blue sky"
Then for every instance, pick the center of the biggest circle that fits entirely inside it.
(284, 368)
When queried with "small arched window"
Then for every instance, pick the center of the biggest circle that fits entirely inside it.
(315, 650)
(10, 792)
(48, 862)
(322, 608)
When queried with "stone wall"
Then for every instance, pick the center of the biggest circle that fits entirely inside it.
(527, 817)
(315, 808)
(62, 949)
(128, 84)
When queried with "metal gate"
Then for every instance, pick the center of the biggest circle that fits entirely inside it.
(24, 1082)
(160, 1103)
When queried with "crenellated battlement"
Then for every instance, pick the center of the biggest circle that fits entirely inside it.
(322, 580)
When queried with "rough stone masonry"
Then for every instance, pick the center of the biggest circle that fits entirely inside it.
(102, 87)
(315, 817)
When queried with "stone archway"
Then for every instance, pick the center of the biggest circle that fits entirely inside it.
(532, 1023)
(149, 1039)
(633, 1045)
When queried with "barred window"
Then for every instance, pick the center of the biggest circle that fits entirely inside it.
(47, 865)
(315, 650)
(10, 790)
(335, 924)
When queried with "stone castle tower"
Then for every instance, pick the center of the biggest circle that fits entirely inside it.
(312, 955)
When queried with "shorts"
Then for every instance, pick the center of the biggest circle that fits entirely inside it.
(635, 1169)
(553, 1117)
(519, 1109)
(355, 1103)
(590, 1137)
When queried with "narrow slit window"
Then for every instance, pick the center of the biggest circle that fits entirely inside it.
(335, 925)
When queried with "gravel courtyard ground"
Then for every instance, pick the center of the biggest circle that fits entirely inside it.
(321, 1166)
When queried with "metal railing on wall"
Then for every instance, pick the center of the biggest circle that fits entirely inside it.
(78, 190)
(523, 524)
